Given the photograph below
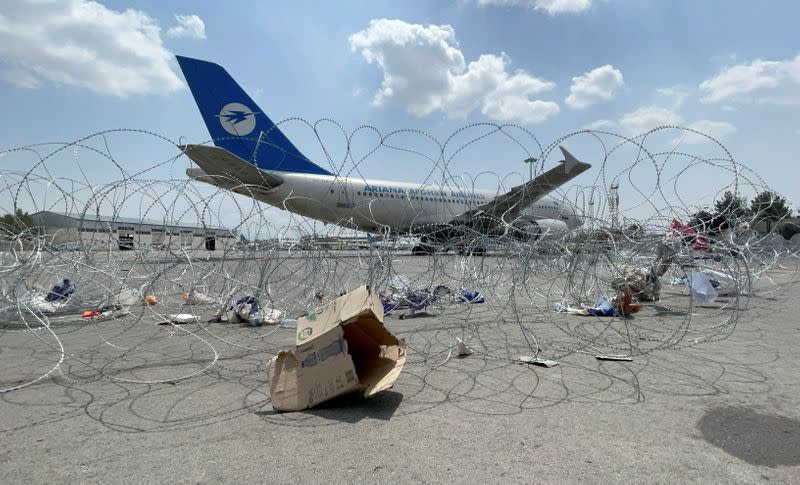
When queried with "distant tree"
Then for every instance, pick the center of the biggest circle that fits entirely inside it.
(634, 230)
(708, 223)
(769, 206)
(12, 225)
(789, 228)
(732, 208)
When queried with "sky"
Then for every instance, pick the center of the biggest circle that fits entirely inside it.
(71, 68)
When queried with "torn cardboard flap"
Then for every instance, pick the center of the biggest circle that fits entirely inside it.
(340, 348)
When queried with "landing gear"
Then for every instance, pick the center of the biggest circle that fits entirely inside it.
(422, 250)
(473, 250)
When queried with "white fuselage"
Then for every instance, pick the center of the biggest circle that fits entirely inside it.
(375, 205)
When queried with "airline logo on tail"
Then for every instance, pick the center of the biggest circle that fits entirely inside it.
(237, 119)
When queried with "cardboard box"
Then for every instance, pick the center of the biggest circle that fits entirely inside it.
(342, 347)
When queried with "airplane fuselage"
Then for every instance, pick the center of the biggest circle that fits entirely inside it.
(376, 205)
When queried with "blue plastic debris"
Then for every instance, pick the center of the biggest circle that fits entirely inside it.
(472, 296)
(602, 308)
(62, 291)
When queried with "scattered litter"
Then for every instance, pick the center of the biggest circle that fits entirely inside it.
(620, 306)
(602, 308)
(623, 305)
(471, 297)
(722, 282)
(401, 295)
(260, 317)
(341, 348)
(183, 318)
(689, 236)
(259, 256)
(644, 283)
(38, 303)
(248, 310)
(461, 348)
(622, 358)
(702, 289)
(106, 312)
(197, 298)
(528, 359)
(129, 297)
(62, 291)
(240, 311)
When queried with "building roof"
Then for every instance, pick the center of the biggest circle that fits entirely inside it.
(131, 220)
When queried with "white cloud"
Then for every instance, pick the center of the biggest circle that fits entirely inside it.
(675, 93)
(595, 86)
(552, 7)
(190, 26)
(83, 43)
(714, 129)
(761, 82)
(601, 125)
(425, 71)
(647, 118)
(20, 77)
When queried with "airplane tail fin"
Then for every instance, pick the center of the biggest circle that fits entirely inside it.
(237, 124)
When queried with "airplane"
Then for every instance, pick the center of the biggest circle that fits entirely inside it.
(251, 156)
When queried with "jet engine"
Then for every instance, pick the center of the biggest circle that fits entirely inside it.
(539, 229)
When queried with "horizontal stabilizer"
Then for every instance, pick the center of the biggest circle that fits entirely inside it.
(229, 169)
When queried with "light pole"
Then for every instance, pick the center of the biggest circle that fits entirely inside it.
(530, 162)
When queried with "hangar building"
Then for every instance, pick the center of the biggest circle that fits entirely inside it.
(68, 231)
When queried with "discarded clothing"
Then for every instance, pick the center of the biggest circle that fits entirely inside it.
(241, 310)
(623, 306)
(400, 295)
(266, 316)
(248, 310)
(61, 292)
(601, 308)
(472, 297)
(690, 236)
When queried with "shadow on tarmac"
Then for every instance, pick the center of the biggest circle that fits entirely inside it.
(759, 439)
(352, 408)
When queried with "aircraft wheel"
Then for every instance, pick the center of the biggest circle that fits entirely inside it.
(422, 250)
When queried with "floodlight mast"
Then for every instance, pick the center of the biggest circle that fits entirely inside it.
(530, 161)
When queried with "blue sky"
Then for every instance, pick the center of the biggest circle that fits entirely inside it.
(731, 69)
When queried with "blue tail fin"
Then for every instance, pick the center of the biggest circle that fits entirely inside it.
(237, 124)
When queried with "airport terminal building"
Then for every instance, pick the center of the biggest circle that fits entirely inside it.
(78, 231)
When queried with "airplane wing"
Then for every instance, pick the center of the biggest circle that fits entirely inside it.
(223, 168)
(508, 206)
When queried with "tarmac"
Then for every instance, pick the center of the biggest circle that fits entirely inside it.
(723, 411)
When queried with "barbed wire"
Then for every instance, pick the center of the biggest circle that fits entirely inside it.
(535, 288)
